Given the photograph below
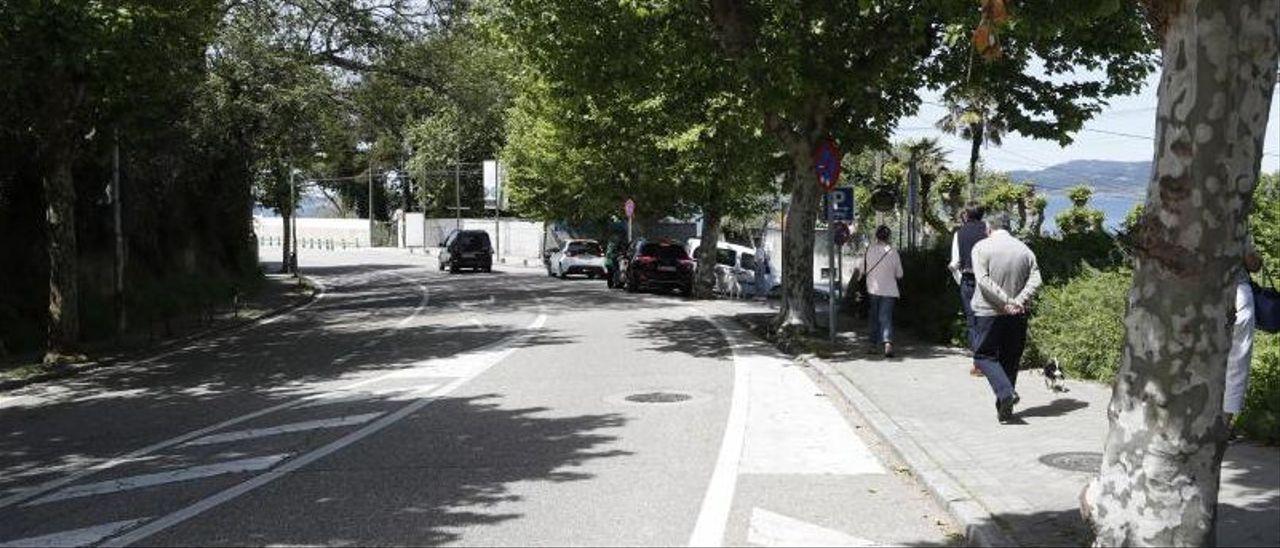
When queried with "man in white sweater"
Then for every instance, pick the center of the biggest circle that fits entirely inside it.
(1007, 277)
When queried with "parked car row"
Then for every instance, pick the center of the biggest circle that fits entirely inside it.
(646, 264)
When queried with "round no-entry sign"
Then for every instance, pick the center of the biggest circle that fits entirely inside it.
(630, 208)
(826, 162)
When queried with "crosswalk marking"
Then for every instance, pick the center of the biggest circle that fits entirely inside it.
(252, 433)
(75, 537)
(161, 478)
(400, 392)
(774, 529)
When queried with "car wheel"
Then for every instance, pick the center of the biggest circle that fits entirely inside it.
(632, 286)
(453, 268)
(487, 268)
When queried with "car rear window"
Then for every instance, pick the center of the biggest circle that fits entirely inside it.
(748, 261)
(588, 248)
(664, 250)
(473, 240)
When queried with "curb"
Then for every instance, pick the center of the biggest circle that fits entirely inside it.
(980, 526)
(62, 372)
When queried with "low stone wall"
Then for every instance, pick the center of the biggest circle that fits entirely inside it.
(335, 232)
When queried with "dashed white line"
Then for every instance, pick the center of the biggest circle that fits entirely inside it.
(75, 537)
(160, 478)
(253, 433)
(485, 358)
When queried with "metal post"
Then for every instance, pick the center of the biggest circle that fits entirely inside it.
(457, 184)
(831, 280)
(121, 318)
(370, 202)
(293, 227)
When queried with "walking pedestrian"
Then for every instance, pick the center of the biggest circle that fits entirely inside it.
(763, 271)
(1241, 336)
(971, 231)
(1006, 276)
(881, 268)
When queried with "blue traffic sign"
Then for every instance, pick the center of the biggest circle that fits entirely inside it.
(838, 205)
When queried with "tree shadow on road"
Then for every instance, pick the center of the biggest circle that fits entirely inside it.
(459, 464)
(694, 336)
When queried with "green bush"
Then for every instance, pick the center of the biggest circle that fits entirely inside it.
(930, 302)
(1081, 324)
(1062, 259)
(1260, 419)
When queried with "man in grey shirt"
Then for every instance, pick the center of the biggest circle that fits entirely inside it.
(1007, 277)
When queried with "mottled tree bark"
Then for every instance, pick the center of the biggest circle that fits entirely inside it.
(795, 314)
(1159, 480)
(704, 278)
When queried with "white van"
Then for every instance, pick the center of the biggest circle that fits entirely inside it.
(735, 268)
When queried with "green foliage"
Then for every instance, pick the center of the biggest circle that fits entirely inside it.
(1079, 218)
(1260, 419)
(1080, 323)
(1070, 255)
(1132, 217)
(930, 303)
(1264, 223)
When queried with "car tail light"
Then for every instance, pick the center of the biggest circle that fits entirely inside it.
(686, 264)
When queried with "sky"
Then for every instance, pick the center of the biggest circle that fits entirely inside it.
(1134, 115)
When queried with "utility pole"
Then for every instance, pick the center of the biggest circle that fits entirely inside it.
(121, 317)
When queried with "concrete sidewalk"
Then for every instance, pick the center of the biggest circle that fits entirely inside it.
(1019, 483)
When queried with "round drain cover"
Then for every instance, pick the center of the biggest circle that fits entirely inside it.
(1075, 461)
(658, 397)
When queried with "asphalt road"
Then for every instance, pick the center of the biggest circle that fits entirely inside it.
(406, 406)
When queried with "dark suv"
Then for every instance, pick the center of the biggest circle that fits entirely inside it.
(657, 264)
(467, 249)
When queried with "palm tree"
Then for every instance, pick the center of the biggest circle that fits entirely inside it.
(973, 118)
(929, 160)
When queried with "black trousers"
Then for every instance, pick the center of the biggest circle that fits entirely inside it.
(1000, 343)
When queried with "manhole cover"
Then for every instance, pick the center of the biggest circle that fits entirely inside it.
(658, 397)
(1075, 461)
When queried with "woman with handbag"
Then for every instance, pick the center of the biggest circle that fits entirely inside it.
(880, 270)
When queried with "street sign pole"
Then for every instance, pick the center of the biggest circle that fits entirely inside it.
(831, 279)
(630, 209)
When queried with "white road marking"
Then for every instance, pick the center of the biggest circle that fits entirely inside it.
(160, 478)
(128, 457)
(252, 433)
(367, 394)
(75, 537)
(773, 529)
(713, 516)
(483, 359)
(794, 432)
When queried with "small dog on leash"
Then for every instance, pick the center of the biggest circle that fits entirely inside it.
(1053, 377)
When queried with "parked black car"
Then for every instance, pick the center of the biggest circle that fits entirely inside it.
(467, 249)
(657, 265)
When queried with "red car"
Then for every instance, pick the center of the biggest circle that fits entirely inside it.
(657, 265)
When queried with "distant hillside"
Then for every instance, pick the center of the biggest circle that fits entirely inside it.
(1118, 179)
(1117, 185)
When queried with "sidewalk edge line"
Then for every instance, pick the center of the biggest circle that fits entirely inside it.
(980, 526)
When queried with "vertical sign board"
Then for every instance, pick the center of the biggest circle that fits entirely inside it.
(838, 205)
(491, 184)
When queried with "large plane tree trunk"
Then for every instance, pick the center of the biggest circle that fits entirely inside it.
(64, 292)
(287, 245)
(795, 314)
(1158, 485)
(704, 278)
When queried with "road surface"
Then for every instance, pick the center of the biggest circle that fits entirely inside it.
(406, 406)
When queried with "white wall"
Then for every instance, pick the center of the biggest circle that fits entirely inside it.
(514, 238)
(354, 232)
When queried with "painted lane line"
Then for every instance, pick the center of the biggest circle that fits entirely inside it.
(713, 516)
(75, 537)
(161, 478)
(334, 398)
(773, 529)
(253, 433)
(496, 354)
(129, 457)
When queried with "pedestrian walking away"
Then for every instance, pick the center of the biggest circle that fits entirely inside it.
(1241, 335)
(971, 231)
(1007, 277)
(881, 269)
